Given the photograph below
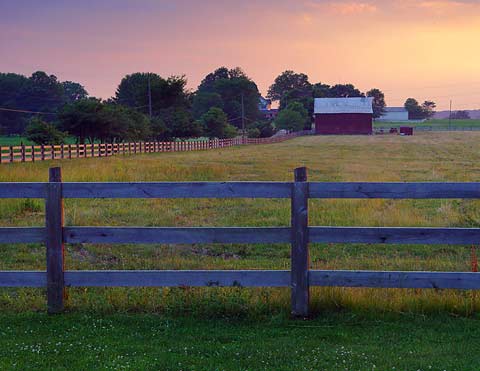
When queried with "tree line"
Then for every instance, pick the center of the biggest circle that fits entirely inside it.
(147, 106)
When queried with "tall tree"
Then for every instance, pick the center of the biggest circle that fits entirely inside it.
(345, 91)
(232, 86)
(378, 102)
(428, 108)
(73, 91)
(288, 81)
(215, 124)
(136, 89)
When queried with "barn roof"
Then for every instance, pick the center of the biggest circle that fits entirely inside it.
(395, 109)
(343, 105)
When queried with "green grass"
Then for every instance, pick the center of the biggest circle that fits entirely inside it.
(148, 342)
(17, 140)
(434, 124)
(436, 325)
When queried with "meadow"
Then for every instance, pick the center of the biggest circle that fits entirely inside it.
(223, 327)
(436, 124)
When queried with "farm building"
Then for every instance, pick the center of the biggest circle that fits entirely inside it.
(394, 114)
(343, 115)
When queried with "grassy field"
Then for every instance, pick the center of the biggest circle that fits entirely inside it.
(434, 124)
(415, 328)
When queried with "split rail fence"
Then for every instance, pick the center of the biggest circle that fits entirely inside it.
(299, 278)
(23, 153)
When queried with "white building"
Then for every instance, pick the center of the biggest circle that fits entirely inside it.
(394, 114)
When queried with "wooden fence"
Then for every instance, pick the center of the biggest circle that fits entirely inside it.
(299, 278)
(34, 153)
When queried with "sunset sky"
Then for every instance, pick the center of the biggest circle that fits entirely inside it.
(425, 49)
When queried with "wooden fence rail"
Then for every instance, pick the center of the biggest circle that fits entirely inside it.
(23, 153)
(299, 234)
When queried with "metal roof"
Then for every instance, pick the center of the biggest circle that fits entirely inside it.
(343, 105)
(395, 109)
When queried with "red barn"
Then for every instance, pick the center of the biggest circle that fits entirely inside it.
(347, 116)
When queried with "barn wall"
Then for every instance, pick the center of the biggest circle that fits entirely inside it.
(343, 123)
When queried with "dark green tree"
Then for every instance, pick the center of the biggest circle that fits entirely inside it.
(288, 81)
(345, 91)
(415, 111)
(261, 129)
(180, 123)
(231, 86)
(428, 108)
(82, 119)
(133, 91)
(73, 91)
(289, 120)
(215, 124)
(378, 102)
(203, 101)
(42, 132)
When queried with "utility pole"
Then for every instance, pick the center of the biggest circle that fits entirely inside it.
(450, 117)
(243, 119)
(149, 97)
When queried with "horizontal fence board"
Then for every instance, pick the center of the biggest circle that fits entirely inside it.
(171, 278)
(420, 280)
(187, 235)
(22, 190)
(178, 190)
(23, 279)
(22, 234)
(394, 190)
(395, 235)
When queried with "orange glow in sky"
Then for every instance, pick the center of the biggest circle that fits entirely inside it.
(424, 49)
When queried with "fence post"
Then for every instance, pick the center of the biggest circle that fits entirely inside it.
(12, 157)
(23, 152)
(300, 255)
(55, 248)
(33, 153)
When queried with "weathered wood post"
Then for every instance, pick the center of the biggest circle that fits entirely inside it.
(55, 248)
(300, 255)
(23, 152)
(33, 153)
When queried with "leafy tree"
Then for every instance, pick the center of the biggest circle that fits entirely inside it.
(215, 124)
(231, 85)
(345, 91)
(73, 91)
(158, 129)
(378, 102)
(428, 108)
(180, 123)
(253, 132)
(298, 107)
(461, 115)
(288, 81)
(41, 132)
(289, 119)
(39, 93)
(419, 112)
(94, 120)
(261, 129)
(203, 101)
(133, 91)
(415, 111)
(82, 119)
(320, 90)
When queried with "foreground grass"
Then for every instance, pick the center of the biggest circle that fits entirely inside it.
(147, 342)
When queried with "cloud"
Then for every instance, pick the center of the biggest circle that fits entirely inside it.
(352, 7)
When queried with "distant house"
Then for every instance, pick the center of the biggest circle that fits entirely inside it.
(347, 116)
(394, 114)
(264, 104)
(266, 110)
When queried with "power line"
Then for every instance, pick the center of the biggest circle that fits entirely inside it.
(27, 111)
